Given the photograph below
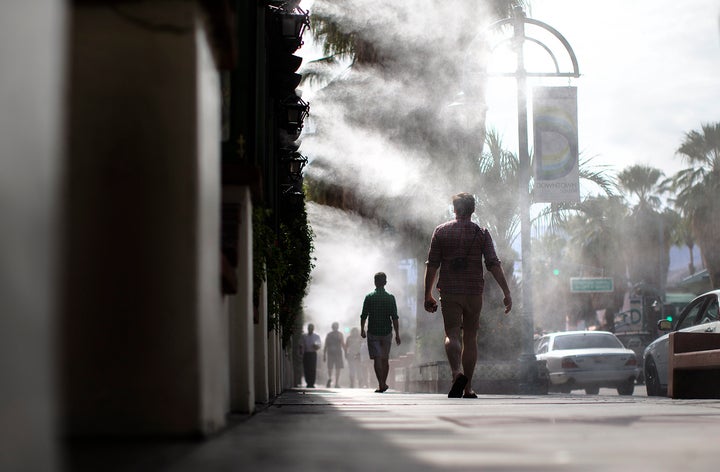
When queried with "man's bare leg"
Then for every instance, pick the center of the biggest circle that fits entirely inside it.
(386, 371)
(454, 350)
(378, 365)
(469, 356)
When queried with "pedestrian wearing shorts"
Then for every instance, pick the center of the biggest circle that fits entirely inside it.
(457, 250)
(333, 353)
(380, 311)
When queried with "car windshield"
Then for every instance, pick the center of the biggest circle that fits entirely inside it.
(585, 341)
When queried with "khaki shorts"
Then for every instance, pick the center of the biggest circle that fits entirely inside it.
(379, 346)
(461, 311)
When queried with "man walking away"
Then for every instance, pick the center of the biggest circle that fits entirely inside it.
(380, 309)
(457, 249)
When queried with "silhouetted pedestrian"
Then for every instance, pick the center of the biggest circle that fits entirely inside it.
(355, 356)
(333, 353)
(457, 249)
(380, 309)
(310, 346)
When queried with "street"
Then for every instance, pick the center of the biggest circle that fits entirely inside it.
(359, 430)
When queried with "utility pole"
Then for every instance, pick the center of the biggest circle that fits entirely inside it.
(529, 376)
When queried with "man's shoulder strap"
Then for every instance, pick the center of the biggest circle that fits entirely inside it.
(480, 232)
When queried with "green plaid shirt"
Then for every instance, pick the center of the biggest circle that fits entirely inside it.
(379, 309)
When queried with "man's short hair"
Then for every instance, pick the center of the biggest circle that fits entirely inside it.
(380, 279)
(464, 204)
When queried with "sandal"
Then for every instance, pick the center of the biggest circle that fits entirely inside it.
(458, 386)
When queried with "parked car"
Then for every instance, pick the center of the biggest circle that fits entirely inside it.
(587, 360)
(700, 315)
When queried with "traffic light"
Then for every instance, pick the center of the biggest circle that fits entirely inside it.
(556, 272)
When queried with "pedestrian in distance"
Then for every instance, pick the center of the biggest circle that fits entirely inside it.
(310, 346)
(457, 250)
(354, 356)
(380, 311)
(333, 353)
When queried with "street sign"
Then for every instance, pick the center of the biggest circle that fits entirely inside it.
(591, 284)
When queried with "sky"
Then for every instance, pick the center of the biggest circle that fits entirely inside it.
(649, 73)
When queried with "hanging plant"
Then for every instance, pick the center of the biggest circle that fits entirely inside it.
(283, 260)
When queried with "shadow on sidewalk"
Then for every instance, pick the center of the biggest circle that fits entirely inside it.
(301, 431)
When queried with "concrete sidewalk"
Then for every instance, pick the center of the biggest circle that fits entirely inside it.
(359, 430)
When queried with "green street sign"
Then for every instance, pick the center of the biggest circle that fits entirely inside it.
(591, 284)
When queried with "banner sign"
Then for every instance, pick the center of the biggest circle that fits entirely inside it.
(557, 178)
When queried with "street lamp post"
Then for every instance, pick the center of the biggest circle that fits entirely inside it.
(529, 378)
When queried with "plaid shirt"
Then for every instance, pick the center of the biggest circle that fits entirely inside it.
(455, 239)
(379, 309)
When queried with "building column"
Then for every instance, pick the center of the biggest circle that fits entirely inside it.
(32, 51)
(143, 332)
(242, 333)
(273, 366)
(262, 392)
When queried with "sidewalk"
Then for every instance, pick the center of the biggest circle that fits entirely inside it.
(359, 430)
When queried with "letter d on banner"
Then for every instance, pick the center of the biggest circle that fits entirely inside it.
(555, 131)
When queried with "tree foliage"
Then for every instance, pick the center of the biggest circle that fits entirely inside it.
(283, 260)
(697, 188)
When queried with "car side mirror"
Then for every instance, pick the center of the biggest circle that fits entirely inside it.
(664, 325)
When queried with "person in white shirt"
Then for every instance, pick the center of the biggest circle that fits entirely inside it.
(355, 358)
(310, 346)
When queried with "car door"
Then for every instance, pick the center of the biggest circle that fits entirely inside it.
(689, 319)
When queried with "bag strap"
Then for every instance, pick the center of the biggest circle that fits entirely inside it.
(477, 230)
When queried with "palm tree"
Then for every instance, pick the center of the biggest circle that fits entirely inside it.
(647, 230)
(553, 217)
(644, 182)
(596, 247)
(697, 189)
(681, 235)
(498, 204)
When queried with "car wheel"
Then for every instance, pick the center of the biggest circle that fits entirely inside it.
(652, 382)
(592, 390)
(627, 388)
(565, 388)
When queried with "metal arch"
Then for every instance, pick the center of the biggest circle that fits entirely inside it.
(561, 38)
(576, 70)
(542, 45)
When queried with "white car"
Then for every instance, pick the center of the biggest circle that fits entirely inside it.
(587, 360)
(700, 315)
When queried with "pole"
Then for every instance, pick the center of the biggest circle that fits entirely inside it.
(532, 375)
(528, 367)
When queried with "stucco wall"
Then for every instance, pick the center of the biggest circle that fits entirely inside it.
(143, 331)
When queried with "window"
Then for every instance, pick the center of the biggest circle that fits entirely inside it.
(690, 315)
(586, 341)
(711, 313)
